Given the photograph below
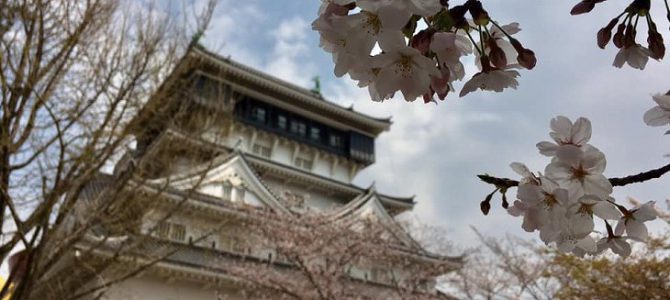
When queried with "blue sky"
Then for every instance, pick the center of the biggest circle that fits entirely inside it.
(435, 151)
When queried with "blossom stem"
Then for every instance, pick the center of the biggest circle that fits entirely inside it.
(615, 181)
(667, 8)
(481, 37)
(473, 42)
(501, 29)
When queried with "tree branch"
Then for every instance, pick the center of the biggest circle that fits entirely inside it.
(505, 183)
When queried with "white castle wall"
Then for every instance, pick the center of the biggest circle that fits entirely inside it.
(153, 288)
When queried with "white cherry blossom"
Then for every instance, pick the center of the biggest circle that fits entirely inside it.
(633, 222)
(581, 172)
(540, 205)
(594, 205)
(618, 245)
(406, 69)
(564, 132)
(495, 80)
(635, 56)
(449, 48)
(659, 115)
(425, 8)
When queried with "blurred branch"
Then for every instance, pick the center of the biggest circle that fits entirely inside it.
(505, 183)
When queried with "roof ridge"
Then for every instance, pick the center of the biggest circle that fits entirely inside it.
(292, 86)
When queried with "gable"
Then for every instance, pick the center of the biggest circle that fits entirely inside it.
(229, 178)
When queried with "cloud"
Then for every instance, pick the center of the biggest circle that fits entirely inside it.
(290, 52)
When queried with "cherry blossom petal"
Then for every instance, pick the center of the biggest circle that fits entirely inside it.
(521, 169)
(662, 100)
(606, 210)
(393, 18)
(588, 244)
(581, 131)
(646, 212)
(547, 148)
(570, 154)
(657, 116)
(621, 247)
(637, 230)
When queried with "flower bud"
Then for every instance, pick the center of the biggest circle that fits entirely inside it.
(479, 15)
(497, 55)
(618, 36)
(526, 57)
(583, 7)
(421, 41)
(605, 33)
(457, 13)
(656, 45)
(485, 206)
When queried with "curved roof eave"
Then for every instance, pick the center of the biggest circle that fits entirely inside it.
(292, 90)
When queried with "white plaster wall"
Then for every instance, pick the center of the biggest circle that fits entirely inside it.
(341, 172)
(315, 199)
(153, 288)
(283, 153)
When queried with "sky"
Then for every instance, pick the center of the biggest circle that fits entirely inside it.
(435, 151)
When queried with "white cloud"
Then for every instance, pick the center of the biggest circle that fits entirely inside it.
(289, 59)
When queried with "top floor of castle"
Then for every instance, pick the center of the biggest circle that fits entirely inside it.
(233, 106)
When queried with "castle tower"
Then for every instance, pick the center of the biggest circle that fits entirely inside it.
(221, 138)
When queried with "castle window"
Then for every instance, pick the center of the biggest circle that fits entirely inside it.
(335, 141)
(281, 122)
(298, 128)
(303, 163)
(261, 150)
(172, 231)
(315, 133)
(259, 114)
(178, 232)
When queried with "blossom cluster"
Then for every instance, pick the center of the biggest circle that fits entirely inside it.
(630, 51)
(376, 42)
(564, 202)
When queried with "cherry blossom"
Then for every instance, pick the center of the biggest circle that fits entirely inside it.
(636, 56)
(495, 80)
(659, 115)
(406, 69)
(425, 8)
(564, 132)
(632, 222)
(581, 172)
(563, 203)
(449, 48)
(618, 245)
